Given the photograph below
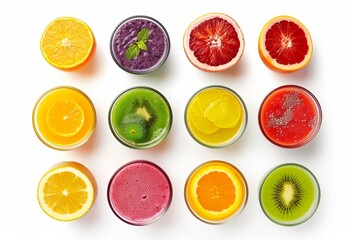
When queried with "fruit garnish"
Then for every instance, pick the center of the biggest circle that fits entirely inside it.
(215, 191)
(289, 194)
(214, 109)
(225, 112)
(199, 121)
(134, 128)
(140, 44)
(65, 118)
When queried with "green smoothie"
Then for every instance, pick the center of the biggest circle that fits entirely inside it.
(140, 117)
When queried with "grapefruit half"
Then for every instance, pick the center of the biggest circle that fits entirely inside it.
(213, 42)
(285, 44)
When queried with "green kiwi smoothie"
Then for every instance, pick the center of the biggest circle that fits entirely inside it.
(140, 117)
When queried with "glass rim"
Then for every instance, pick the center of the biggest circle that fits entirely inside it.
(159, 63)
(314, 131)
(146, 145)
(154, 218)
(235, 213)
(75, 145)
(314, 206)
(238, 134)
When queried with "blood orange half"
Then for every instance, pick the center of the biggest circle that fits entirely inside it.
(214, 42)
(285, 44)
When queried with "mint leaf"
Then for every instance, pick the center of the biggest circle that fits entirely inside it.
(132, 52)
(135, 48)
(143, 35)
(141, 45)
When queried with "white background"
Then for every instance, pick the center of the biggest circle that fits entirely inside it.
(25, 75)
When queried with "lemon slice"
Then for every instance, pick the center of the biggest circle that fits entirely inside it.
(65, 118)
(67, 191)
(198, 119)
(224, 112)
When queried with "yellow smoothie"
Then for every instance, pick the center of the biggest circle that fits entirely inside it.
(64, 118)
(216, 116)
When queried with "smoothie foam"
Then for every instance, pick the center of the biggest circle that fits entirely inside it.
(139, 193)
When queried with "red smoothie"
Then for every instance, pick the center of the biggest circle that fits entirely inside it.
(290, 116)
(139, 193)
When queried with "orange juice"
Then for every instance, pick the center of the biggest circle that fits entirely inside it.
(64, 118)
(216, 116)
(216, 191)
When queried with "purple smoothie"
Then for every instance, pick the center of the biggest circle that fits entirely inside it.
(139, 192)
(158, 45)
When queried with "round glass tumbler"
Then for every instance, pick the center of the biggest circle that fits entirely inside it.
(139, 193)
(290, 116)
(64, 118)
(215, 192)
(216, 116)
(140, 117)
(140, 45)
(289, 194)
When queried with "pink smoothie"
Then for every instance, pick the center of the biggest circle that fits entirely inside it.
(139, 192)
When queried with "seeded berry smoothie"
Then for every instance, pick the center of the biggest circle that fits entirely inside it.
(140, 44)
(290, 116)
(139, 193)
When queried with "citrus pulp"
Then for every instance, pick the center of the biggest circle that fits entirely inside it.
(213, 42)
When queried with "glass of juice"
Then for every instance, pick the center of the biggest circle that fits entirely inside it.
(216, 116)
(290, 116)
(64, 118)
(139, 193)
(140, 117)
(140, 44)
(216, 191)
(289, 194)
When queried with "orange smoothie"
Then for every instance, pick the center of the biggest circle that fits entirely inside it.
(216, 116)
(64, 118)
(215, 192)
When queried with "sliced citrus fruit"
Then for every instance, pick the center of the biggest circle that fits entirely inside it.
(285, 44)
(225, 112)
(67, 191)
(199, 121)
(216, 191)
(206, 98)
(67, 43)
(213, 42)
(65, 118)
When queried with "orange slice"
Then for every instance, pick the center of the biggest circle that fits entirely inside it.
(65, 118)
(67, 191)
(285, 44)
(67, 43)
(216, 191)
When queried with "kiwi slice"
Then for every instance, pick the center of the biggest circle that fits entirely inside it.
(134, 128)
(289, 194)
(144, 109)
